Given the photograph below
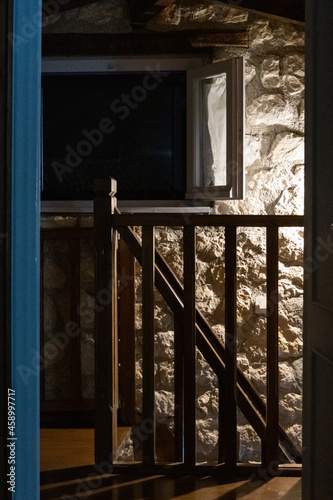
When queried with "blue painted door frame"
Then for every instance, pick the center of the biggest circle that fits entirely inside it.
(26, 41)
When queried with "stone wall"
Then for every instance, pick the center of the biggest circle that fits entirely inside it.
(274, 162)
(251, 334)
(102, 16)
(57, 276)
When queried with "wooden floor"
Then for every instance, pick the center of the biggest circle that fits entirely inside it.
(167, 488)
(63, 448)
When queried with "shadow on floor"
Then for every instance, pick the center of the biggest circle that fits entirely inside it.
(122, 487)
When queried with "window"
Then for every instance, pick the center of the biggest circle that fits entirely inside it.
(121, 125)
(216, 131)
(165, 129)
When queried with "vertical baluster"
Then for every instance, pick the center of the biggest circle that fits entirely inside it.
(105, 238)
(189, 347)
(179, 390)
(230, 378)
(271, 454)
(127, 334)
(148, 397)
(75, 347)
(222, 421)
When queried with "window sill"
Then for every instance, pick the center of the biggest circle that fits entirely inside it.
(151, 206)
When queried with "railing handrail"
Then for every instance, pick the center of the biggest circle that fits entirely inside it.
(166, 219)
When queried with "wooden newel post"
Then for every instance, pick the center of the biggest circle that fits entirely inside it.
(106, 330)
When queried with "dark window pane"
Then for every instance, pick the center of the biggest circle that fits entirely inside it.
(128, 126)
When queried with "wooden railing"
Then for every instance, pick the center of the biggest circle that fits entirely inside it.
(74, 410)
(191, 331)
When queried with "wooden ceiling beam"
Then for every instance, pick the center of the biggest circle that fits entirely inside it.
(139, 43)
(143, 10)
(229, 38)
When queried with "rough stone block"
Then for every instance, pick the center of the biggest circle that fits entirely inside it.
(252, 149)
(230, 15)
(288, 148)
(260, 32)
(290, 36)
(270, 72)
(270, 110)
(294, 70)
(250, 72)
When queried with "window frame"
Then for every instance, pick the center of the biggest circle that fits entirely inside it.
(83, 64)
(196, 196)
(235, 186)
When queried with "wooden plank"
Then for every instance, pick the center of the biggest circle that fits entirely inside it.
(189, 346)
(131, 44)
(221, 473)
(148, 365)
(179, 390)
(67, 448)
(221, 423)
(165, 219)
(271, 450)
(126, 320)
(154, 488)
(231, 38)
(230, 377)
(105, 237)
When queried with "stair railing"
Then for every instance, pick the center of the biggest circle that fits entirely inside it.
(191, 331)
